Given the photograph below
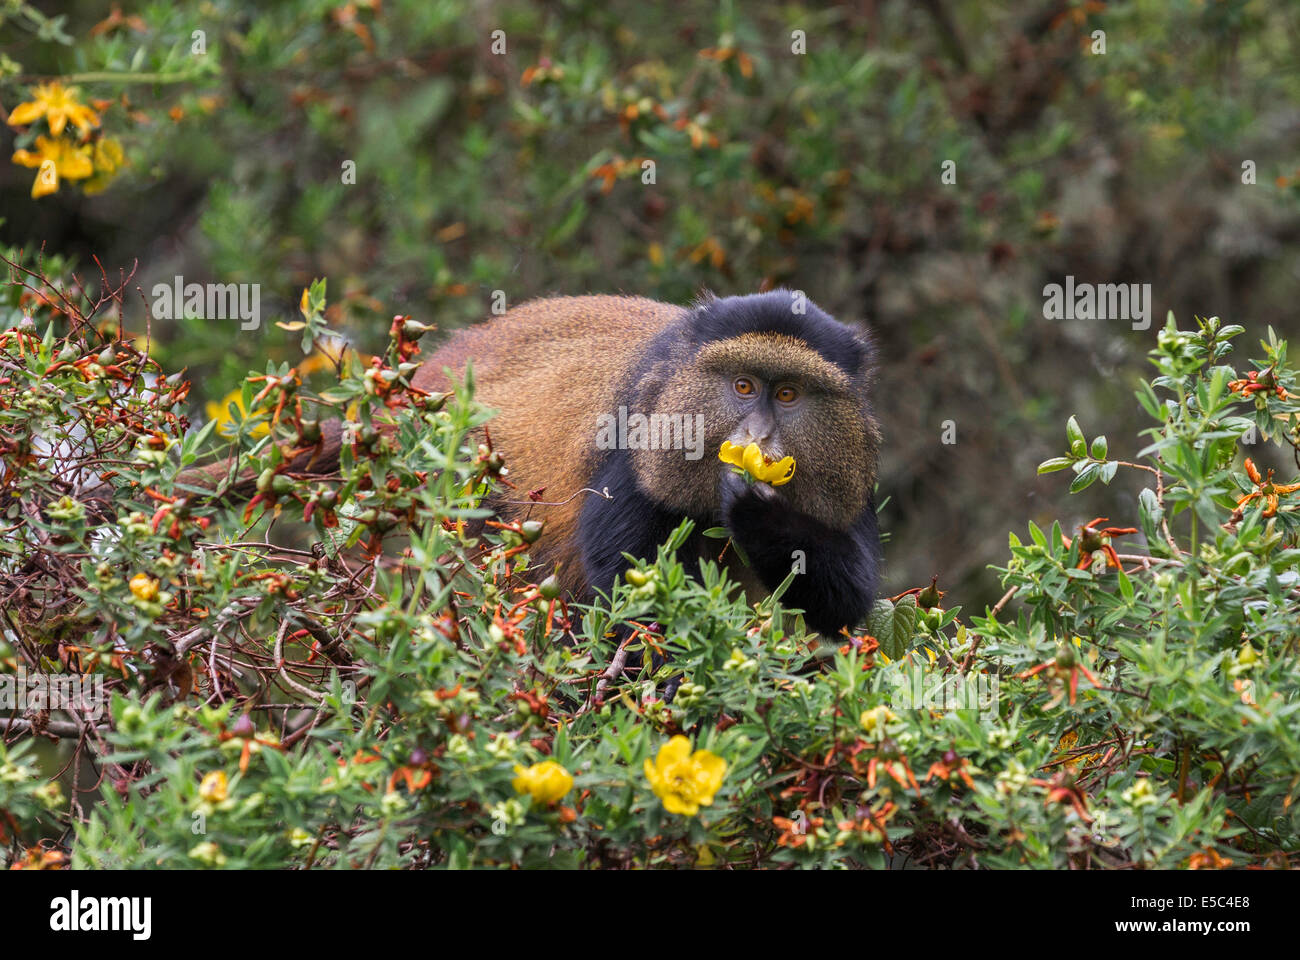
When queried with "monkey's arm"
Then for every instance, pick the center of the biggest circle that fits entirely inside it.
(630, 522)
(842, 567)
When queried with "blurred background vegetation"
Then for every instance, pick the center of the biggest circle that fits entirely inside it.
(522, 171)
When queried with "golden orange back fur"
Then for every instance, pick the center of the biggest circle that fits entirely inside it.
(547, 367)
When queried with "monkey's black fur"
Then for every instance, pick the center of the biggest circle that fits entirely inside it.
(843, 567)
(726, 317)
(630, 522)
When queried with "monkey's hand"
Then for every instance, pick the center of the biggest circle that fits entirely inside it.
(838, 569)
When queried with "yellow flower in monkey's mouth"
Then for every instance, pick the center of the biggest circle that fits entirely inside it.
(752, 461)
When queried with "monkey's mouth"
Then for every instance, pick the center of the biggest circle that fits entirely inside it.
(770, 449)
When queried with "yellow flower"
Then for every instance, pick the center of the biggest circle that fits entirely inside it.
(58, 105)
(547, 781)
(685, 781)
(108, 159)
(55, 158)
(328, 356)
(144, 586)
(753, 462)
(214, 786)
(873, 720)
(108, 156)
(220, 412)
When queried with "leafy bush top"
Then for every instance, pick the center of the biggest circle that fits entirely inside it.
(344, 674)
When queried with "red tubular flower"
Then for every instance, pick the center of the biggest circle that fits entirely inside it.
(896, 768)
(1062, 789)
(1252, 384)
(1067, 666)
(1265, 489)
(951, 764)
(1092, 539)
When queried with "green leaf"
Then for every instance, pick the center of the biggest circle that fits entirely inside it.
(1074, 435)
(1086, 477)
(195, 440)
(1150, 402)
(902, 629)
(1125, 586)
(1040, 538)
(880, 622)
(1150, 514)
(336, 538)
(1054, 464)
(1099, 448)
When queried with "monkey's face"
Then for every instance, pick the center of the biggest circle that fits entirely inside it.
(780, 394)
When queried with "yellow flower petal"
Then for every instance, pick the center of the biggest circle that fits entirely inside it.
(674, 751)
(547, 782)
(214, 787)
(58, 105)
(26, 158)
(144, 586)
(714, 768)
(83, 117)
(674, 804)
(730, 453)
(25, 113)
(76, 166)
(684, 781)
(47, 180)
(108, 155)
(781, 472)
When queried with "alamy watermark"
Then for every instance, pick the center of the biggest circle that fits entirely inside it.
(658, 431)
(209, 301)
(1098, 301)
(22, 691)
(75, 913)
(918, 690)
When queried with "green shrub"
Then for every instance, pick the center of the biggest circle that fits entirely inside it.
(344, 673)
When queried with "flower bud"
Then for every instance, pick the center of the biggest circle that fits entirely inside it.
(414, 330)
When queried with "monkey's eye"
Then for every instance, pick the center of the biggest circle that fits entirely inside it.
(787, 394)
(744, 386)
